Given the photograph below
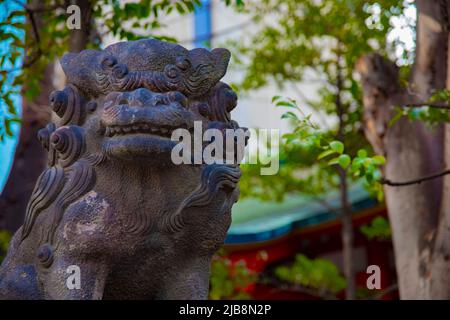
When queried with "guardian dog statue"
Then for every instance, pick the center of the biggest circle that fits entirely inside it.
(111, 204)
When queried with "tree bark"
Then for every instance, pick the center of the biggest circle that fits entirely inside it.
(418, 213)
(30, 158)
(347, 237)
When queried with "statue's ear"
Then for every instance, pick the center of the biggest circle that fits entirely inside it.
(68, 57)
(66, 60)
(222, 57)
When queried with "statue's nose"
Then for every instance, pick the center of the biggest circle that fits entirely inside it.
(143, 97)
(124, 98)
(135, 98)
(139, 96)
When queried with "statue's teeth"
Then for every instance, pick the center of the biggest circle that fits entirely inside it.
(136, 128)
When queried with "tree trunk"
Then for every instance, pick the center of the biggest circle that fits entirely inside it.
(30, 158)
(418, 213)
(347, 237)
(346, 213)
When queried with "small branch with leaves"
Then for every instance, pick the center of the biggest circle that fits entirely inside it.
(306, 132)
(435, 105)
(433, 111)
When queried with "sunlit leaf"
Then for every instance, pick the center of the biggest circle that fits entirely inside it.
(325, 153)
(337, 146)
(344, 160)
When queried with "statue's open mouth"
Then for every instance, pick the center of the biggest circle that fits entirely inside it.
(139, 124)
(139, 128)
(143, 131)
(124, 121)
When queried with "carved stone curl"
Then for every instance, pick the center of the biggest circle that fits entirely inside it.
(111, 201)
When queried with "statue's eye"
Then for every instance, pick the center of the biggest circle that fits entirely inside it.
(108, 62)
(91, 106)
(157, 100)
(203, 110)
(58, 101)
(120, 71)
(171, 71)
(183, 63)
(45, 255)
(176, 96)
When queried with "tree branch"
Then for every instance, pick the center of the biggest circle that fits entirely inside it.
(435, 105)
(37, 39)
(382, 293)
(294, 287)
(415, 181)
(42, 8)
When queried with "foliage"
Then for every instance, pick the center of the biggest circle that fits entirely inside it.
(5, 238)
(10, 59)
(314, 151)
(229, 280)
(295, 36)
(303, 41)
(378, 229)
(426, 112)
(320, 274)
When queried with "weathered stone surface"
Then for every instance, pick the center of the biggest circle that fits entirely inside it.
(111, 201)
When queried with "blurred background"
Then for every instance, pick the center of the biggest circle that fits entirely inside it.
(307, 68)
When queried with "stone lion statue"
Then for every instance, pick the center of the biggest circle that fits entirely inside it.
(111, 203)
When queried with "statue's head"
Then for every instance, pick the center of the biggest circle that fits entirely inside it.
(120, 106)
(130, 97)
(157, 65)
(138, 124)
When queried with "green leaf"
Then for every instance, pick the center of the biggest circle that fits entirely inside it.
(378, 229)
(289, 115)
(275, 98)
(325, 153)
(344, 160)
(369, 176)
(8, 129)
(10, 104)
(362, 153)
(367, 162)
(15, 119)
(379, 160)
(179, 7)
(396, 117)
(190, 6)
(337, 146)
(286, 104)
(333, 161)
(290, 136)
(356, 164)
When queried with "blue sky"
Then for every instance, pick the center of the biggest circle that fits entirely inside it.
(7, 147)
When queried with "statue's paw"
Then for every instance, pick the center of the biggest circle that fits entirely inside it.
(20, 283)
